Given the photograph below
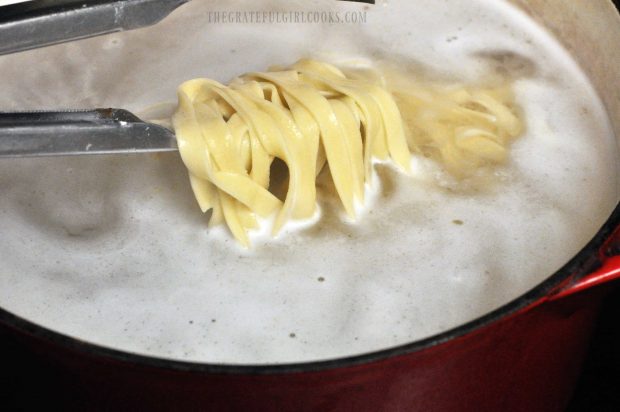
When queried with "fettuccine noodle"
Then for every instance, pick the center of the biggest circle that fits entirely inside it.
(311, 115)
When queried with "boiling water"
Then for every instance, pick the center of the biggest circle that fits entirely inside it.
(114, 250)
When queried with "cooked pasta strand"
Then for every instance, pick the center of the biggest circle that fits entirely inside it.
(313, 114)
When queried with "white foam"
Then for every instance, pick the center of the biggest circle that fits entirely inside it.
(114, 250)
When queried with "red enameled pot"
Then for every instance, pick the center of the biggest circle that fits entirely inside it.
(524, 356)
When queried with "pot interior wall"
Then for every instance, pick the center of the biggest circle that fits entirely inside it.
(590, 31)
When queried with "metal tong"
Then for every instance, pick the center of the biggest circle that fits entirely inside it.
(39, 23)
(34, 24)
(100, 131)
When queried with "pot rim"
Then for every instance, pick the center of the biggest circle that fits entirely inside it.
(585, 261)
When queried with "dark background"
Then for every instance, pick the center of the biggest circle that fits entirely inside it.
(599, 385)
(27, 383)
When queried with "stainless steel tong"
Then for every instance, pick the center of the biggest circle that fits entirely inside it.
(39, 23)
(99, 131)
(34, 24)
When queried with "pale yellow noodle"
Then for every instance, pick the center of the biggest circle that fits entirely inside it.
(312, 114)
